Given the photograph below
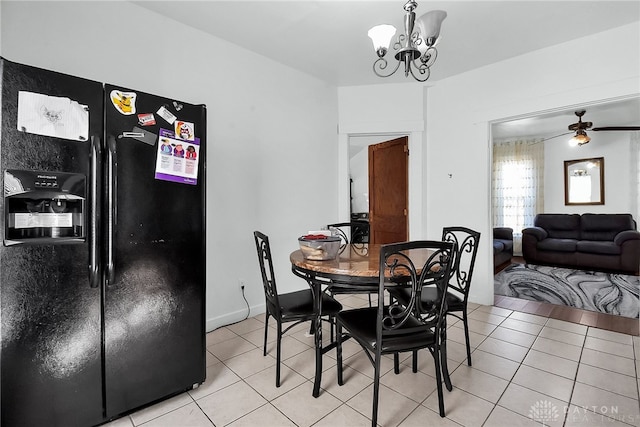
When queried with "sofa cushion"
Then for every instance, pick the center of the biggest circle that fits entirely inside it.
(508, 245)
(503, 233)
(599, 247)
(558, 245)
(604, 226)
(560, 226)
(498, 246)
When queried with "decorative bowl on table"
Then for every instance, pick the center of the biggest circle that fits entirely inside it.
(318, 247)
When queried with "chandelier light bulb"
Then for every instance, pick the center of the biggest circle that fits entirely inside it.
(381, 36)
(429, 26)
(580, 138)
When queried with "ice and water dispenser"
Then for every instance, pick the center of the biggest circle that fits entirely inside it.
(44, 207)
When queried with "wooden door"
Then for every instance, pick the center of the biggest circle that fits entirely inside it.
(388, 191)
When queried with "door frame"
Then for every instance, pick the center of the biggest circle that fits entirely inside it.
(417, 196)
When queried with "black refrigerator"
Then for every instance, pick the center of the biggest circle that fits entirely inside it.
(102, 261)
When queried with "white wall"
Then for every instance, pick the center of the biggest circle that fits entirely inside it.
(458, 112)
(271, 130)
(383, 110)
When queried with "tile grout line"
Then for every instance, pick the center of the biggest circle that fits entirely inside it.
(514, 374)
(634, 347)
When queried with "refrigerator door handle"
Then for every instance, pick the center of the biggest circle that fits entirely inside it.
(96, 153)
(111, 201)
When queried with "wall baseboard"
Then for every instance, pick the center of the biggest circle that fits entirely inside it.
(214, 323)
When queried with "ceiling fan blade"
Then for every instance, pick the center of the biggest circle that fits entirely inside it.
(623, 128)
(556, 136)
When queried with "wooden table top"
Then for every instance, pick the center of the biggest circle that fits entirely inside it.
(358, 263)
(361, 260)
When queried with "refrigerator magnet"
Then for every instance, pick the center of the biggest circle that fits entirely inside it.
(166, 114)
(184, 130)
(146, 119)
(141, 135)
(124, 102)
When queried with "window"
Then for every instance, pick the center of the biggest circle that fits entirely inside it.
(518, 186)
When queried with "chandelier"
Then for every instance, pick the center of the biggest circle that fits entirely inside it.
(415, 49)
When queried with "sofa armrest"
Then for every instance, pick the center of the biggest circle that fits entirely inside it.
(503, 233)
(626, 235)
(537, 232)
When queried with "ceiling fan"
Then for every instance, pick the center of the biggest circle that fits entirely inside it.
(580, 128)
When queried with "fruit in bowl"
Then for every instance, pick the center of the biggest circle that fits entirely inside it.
(318, 247)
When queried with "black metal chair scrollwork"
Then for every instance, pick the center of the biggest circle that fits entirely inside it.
(398, 328)
(294, 307)
(356, 235)
(354, 232)
(466, 244)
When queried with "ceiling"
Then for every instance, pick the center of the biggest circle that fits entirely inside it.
(328, 39)
(547, 125)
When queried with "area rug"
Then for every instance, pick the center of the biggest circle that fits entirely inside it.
(609, 293)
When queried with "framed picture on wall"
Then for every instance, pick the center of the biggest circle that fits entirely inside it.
(584, 181)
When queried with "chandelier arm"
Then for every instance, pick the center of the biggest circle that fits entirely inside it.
(429, 57)
(424, 72)
(381, 65)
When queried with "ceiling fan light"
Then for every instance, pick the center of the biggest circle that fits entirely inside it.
(429, 26)
(580, 138)
(381, 36)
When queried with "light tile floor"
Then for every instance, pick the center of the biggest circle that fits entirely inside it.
(527, 370)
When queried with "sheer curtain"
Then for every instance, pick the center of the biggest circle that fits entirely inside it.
(518, 185)
(635, 176)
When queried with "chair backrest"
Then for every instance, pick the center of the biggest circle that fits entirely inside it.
(466, 248)
(413, 264)
(266, 269)
(353, 231)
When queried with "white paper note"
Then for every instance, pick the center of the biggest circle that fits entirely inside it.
(52, 116)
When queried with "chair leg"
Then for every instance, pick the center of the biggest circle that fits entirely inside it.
(466, 335)
(436, 362)
(444, 366)
(266, 329)
(396, 363)
(376, 390)
(332, 325)
(278, 350)
(339, 352)
(414, 364)
(312, 327)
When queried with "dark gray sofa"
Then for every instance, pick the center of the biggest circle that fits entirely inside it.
(502, 245)
(608, 242)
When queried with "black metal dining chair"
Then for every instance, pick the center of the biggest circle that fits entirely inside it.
(466, 247)
(397, 328)
(355, 233)
(296, 307)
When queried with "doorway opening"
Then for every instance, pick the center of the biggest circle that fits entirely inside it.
(379, 179)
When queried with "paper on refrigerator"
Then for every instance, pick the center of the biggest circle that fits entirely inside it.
(177, 159)
(52, 116)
